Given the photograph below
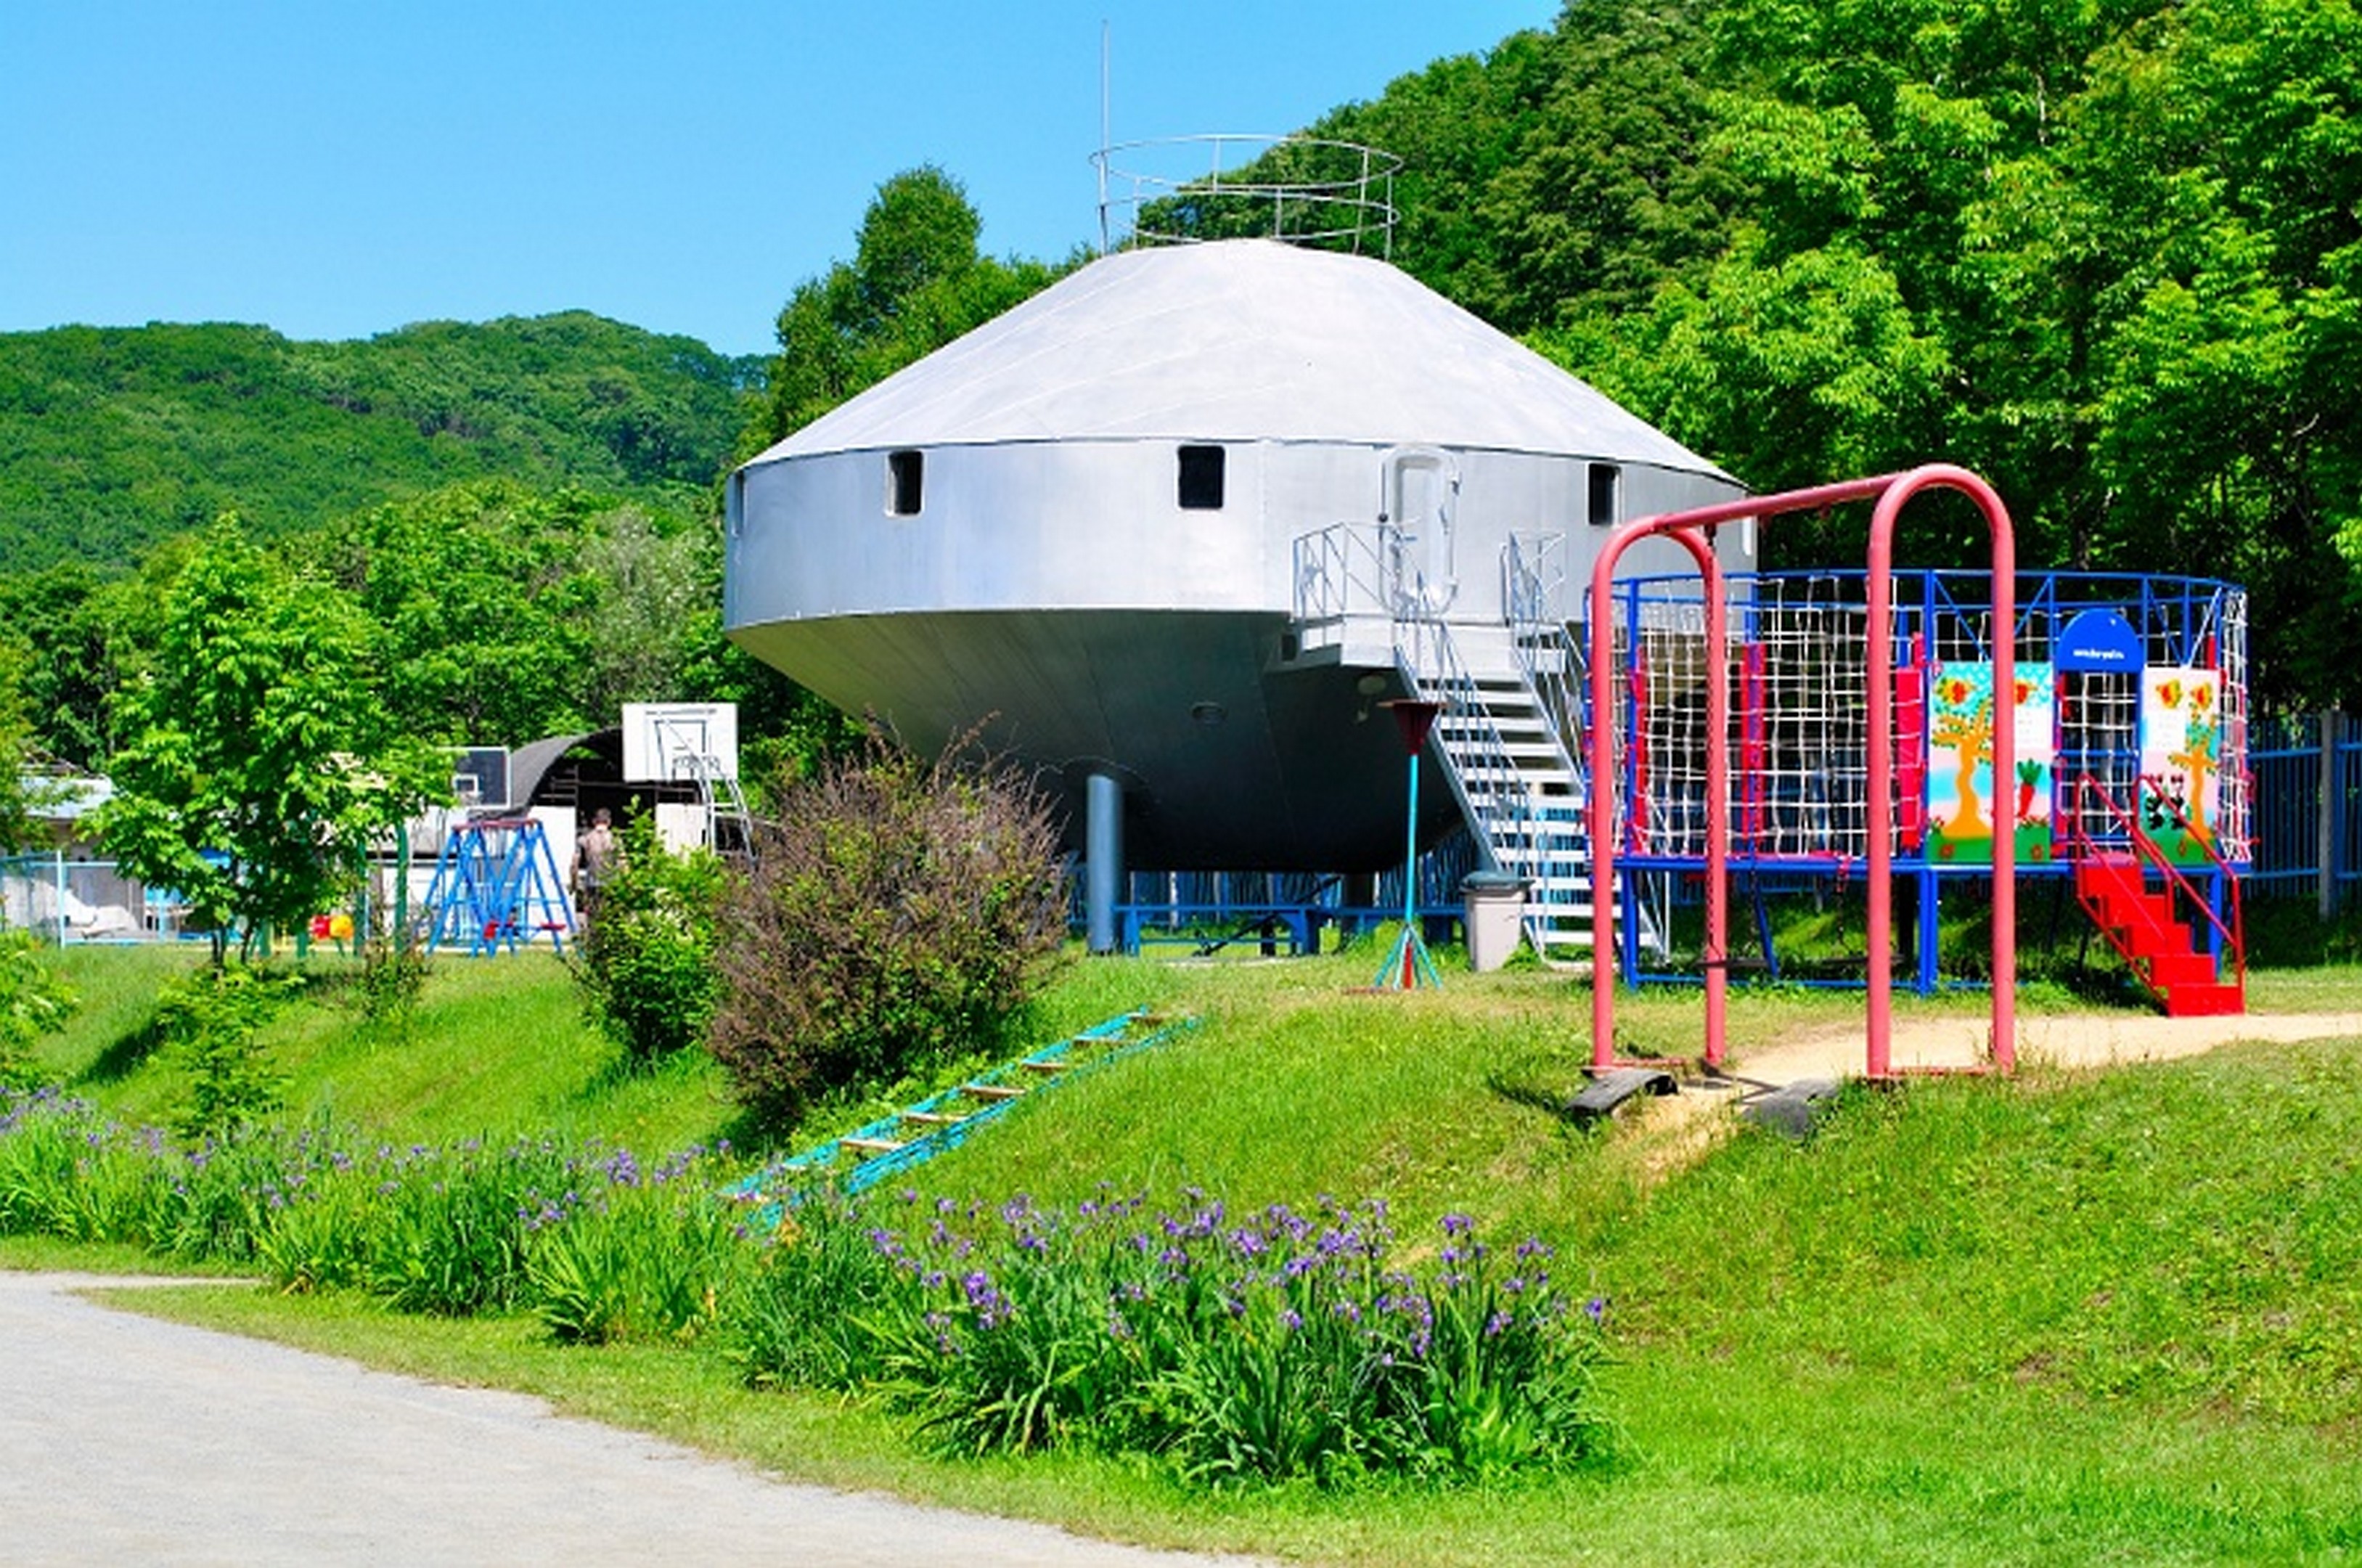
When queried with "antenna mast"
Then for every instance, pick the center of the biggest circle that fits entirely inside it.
(1105, 30)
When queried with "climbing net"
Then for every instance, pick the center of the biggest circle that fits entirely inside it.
(1798, 740)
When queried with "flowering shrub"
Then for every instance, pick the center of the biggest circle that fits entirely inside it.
(897, 914)
(600, 1249)
(1268, 1346)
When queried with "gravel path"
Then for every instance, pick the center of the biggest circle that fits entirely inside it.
(1684, 1126)
(2067, 1040)
(123, 1439)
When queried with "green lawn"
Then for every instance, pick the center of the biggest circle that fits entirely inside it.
(2066, 1318)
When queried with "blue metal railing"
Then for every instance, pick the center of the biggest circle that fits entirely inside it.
(2294, 776)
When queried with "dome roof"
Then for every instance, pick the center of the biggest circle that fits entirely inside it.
(1239, 340)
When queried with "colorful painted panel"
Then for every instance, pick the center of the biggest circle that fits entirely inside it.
(1962, 803)
(2181, 749)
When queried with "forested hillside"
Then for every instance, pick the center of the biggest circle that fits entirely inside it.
(2108, 255)
(114, 439)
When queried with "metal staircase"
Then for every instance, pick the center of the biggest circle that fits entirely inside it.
(1511, 728)
(1511, 737)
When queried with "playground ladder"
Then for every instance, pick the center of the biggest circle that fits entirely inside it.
(868, 1154)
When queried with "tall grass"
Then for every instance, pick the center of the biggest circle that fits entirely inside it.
(582, 1237)
(496, 1048)
(1266, 1346)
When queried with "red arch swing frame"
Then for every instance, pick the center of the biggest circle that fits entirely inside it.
(1889, 492)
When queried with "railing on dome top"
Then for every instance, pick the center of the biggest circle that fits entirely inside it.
(1303, 190)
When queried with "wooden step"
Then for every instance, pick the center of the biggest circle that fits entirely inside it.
(870, 1145)
(992, 1092)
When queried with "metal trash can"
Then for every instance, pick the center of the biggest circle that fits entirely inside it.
(1494, 917)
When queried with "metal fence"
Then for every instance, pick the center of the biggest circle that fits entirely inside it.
(2307, 802)
(2308, 808)
(69, 901)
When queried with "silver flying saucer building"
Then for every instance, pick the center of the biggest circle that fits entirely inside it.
(1177, 524)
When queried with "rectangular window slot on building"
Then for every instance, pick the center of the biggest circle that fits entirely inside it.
(1201, 478)
(906, 474)
(1606, 478)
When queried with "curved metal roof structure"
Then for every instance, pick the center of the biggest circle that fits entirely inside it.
(1162, 523)
(1241, 340)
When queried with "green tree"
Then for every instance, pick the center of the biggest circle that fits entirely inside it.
(114, 438)
(61, 617)
(652, 581)
(485, 599)
(917, 282)
(260, 761)
(19, 794)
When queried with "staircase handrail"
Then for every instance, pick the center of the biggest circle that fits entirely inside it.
(1343, 567)
(1445, 680)
(2151, 853)
(1533, 585)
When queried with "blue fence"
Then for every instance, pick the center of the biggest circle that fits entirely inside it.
(2308, 787)
(1269, 910)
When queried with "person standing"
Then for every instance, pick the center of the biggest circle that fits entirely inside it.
(594, 857)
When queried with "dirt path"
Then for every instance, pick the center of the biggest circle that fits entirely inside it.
(1678, 1130)
(2066, 1039)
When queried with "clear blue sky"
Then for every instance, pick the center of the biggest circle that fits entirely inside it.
(339, 168)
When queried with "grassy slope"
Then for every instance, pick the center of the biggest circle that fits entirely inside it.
(497, 1047)
(2067, 1317)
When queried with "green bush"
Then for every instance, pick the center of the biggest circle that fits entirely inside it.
(393, 979)
(645, 963)
(33, 1001)
(898, 912)
(210, 1019)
